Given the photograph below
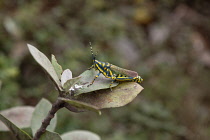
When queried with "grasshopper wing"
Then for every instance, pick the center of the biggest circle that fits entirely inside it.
(126, 72)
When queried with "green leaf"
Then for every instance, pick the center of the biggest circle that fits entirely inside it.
(80, 135)
(20, 116)
(40, 112)
(45, 63)
(50, 136)
(81, 105)
(66, 75)
(67, 81)
(57, 67)
(17, 132)
(120, 95)
(70, 83)
(87, 77)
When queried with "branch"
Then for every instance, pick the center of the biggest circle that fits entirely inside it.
(55, 107)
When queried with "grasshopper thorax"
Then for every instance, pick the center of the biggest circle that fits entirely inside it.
(101, 66)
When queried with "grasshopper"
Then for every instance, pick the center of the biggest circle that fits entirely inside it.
(113, 72)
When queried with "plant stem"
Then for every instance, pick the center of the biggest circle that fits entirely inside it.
(55, 107)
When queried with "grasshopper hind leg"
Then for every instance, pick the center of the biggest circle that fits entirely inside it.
(110, 86)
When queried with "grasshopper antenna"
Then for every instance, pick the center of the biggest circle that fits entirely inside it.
(91, 49)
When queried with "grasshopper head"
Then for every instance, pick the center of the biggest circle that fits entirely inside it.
(139, 79)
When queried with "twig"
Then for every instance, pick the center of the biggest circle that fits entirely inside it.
(55, 107)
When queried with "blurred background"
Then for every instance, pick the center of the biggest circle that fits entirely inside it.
(167, 42)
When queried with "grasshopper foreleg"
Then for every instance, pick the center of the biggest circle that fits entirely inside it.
(91, 67)
(94, 79)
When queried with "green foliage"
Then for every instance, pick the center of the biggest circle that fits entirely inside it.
(121, 95)
(80, 135)
(50, 136)
(81, 105)
(57, 67)
(67, 81)
(8, 77)
(21, 117)
(44, 62)
(37, 115)
(17, 132)
(40, 112)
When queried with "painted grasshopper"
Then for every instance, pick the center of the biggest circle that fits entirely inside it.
(113, 72)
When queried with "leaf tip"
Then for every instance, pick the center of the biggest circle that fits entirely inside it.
(29, 45)
(53, 57)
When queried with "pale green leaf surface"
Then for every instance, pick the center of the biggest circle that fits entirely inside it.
(87, 77)
(20, 116)
(120, 95)
(50, 136)
(70, 83)
(81, 105)
(67, 81)
(57, 67)
(40, 112)
(17, 132)
(66, 75)
(80, 135)
(45, 63)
